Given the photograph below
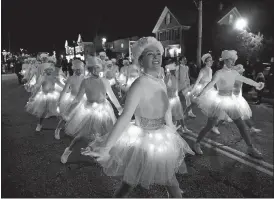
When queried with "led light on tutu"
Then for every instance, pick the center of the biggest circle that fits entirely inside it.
(139, 46)
(205, 56)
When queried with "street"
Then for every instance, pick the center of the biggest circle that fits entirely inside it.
(31, 164)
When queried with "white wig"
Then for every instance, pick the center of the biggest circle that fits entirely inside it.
(77, 64)
(229, 54)
(139, 46)
(92, 61)
(205, 56)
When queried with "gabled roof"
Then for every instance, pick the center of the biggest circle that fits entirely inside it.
(180, 20)
(234, 11)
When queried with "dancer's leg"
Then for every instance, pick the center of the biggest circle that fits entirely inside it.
(210, 124)
(251, 150)
(123, 190)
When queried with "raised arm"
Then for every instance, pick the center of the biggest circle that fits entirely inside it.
(132, 101)
(247, 80)
(112, 95)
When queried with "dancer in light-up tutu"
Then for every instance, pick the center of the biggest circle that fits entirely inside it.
(94, 117)
(43, 102)
(149, 151)
(242, 103)
(66, 98)
(225, 104)
(174, 100)
(205, 76)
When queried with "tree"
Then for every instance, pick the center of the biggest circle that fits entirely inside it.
(248, 45)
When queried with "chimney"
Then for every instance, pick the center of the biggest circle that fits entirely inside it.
(221, 6)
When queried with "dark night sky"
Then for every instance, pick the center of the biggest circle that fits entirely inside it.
(40, 25)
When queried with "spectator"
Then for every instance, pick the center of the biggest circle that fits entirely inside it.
(271, 77)
(193, 72)
(18, 68)
(260, 78)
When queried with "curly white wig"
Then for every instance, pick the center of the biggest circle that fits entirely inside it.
(205, 56)
(92, 61)
(139, 46)
(229, 54)
(77, 64)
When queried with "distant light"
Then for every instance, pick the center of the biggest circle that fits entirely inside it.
(122, 45)
(241, 24)
(104, 40)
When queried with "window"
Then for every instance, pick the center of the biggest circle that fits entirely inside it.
(230, 19)
(168, 18)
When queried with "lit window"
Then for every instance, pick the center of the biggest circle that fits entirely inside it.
(122, 45)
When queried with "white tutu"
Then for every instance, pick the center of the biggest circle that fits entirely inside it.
(244, 107)
(90, 119)
(43, 103)
(176, 108)
(220, 105)
(65, 103)
(30, 86)
(146, 157)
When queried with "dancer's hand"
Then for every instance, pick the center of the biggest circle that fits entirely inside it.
(100, 153)
(260, 86)
(120, 110)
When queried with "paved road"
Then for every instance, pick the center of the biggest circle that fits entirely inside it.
(31, 161)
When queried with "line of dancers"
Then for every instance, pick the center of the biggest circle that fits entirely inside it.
(149, 149)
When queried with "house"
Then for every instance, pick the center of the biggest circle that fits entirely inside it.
(171, 30)
(121, 46)
(230, 17)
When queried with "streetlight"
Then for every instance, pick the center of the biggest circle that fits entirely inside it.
(103, 43)
(241, 24)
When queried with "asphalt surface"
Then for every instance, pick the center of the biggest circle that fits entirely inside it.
(31, 161)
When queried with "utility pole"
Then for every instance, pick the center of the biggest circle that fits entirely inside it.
(9, 40)
(200, 31)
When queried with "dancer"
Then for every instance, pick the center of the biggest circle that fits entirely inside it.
(95, 116)
(184, 83)
(174, 100)
(224, 103)
(242, 103)
(149, 151)
(204, 77)
(111, 72)
(66, 98)
(43, 102)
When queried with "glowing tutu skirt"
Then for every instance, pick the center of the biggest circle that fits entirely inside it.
(65, 103)
(176, 108)
(43, 104)
(90, 120)
(220, 105)
(30, 86)
(146, 154)
(244, 107)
